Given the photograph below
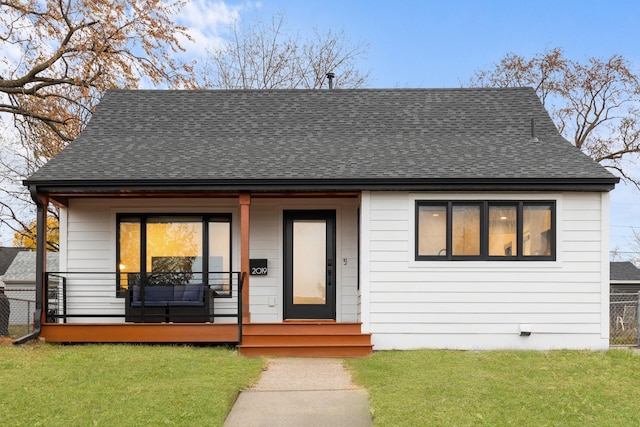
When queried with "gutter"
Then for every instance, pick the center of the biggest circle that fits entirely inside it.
(72, 188)
(40, 265)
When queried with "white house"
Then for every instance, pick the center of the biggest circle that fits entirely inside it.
(392, 218)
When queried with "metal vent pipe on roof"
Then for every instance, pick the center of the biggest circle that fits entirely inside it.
(330, 77)
(534, 137)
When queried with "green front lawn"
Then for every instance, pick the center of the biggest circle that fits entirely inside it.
(120, 385)
(129, 385)
(501, 388)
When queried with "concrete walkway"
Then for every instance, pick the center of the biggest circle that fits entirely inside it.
(302, 392)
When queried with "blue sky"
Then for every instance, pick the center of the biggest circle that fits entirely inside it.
(442, 43)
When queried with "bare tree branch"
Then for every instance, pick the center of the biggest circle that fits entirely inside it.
(264, 57)
(594, 104)
(71, 51)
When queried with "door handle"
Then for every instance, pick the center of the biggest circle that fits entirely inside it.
(329, 271)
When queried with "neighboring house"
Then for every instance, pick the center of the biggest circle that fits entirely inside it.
(624, 277)
(20, 285)
(7, 254)
(398, 218)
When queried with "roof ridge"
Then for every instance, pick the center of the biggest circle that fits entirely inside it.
(335, 90)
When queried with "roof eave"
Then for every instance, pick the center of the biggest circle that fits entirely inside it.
(72, 187)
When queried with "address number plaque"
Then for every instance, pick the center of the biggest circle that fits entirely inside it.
(258, 267)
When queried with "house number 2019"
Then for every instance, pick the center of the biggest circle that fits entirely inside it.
(258, 271)
(258, 267)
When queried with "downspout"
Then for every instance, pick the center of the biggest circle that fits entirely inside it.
(41, 232)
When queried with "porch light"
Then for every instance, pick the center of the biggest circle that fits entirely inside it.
(121, 266)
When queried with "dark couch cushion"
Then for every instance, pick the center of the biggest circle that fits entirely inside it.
(193, 293)
(153, 294)
(149, 304)
(178, 292)
(158, 294)
(186, 303)
(161, 296)
(135, 297)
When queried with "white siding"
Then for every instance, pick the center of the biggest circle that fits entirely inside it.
(88, 244)
(481, 305)
(266, 237)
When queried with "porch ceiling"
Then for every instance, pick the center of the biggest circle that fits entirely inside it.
(62, 197)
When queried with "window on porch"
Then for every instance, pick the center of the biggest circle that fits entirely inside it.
(175, 249)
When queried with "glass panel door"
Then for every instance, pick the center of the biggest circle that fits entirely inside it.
(309, 287)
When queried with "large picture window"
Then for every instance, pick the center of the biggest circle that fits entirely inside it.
(485, 230)
(175, 249)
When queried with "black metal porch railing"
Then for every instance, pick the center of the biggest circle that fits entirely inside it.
(141, 297)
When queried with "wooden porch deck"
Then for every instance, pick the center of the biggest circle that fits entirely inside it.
(297, 338)
(140, 333)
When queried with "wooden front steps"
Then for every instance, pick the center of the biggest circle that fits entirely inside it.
(305, 339)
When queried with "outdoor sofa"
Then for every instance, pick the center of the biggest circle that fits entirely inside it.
(179, 303)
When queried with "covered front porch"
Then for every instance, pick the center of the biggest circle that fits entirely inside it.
(248, 299)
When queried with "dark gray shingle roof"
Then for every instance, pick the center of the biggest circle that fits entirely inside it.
(410, 134)
(23, 267)
(7, 254)
(624, 271)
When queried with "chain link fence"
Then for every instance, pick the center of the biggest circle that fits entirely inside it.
(17, 307)
(624, 319)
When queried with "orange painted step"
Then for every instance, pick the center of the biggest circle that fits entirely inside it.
(305, 339)
(302, 328)
(305, 351)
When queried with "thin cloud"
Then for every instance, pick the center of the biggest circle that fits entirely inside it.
(207, 21)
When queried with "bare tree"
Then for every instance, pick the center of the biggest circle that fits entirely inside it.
(631, 251)
(595, 104)
(59, 56)
(264, 57)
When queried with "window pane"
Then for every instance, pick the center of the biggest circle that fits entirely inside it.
(466, 230)
(536, 230)
(310, 262)
(219, 254)
(174, 245)
(502, 231)
(129, 261)
(432, 231)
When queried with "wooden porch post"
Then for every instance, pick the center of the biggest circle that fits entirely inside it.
(245, 203)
